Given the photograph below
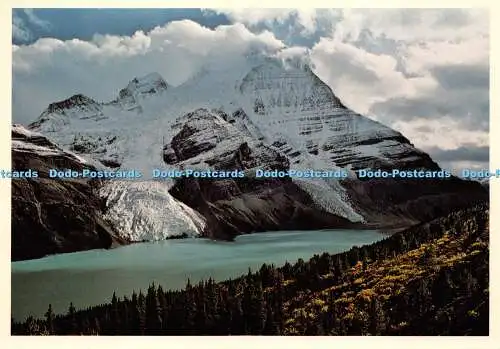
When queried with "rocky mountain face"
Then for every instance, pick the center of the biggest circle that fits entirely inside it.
(304, 116)
(52, 215)
(235, 206)
(263, 114)
(206, 139)
(239, 206)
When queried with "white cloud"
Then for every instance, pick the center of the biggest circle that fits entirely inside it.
(405, 67)
(427, 134)
(448, 142)
(51, 69)
(361, 78)
(413, 25)
(409, 68)
(306, 19)
(420, 57)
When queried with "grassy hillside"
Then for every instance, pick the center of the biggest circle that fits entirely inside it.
(429, 280)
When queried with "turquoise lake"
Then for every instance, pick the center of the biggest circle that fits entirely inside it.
(90, 277)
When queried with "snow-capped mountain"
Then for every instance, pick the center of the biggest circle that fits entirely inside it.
(257, 113)
(283, 105)
(139, 88)
(58, 114)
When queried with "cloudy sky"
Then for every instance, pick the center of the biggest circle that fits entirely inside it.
(423, 72)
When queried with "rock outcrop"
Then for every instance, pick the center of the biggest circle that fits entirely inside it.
(234, 206)
(53, 215)
(395, 203)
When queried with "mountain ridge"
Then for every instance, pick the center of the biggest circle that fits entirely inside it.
(250, 109)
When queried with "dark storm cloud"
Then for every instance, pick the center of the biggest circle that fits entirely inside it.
(467, 152)
(463, 77)
(454, 18)
(463, 94)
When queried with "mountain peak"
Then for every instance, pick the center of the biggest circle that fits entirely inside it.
(75, 100)
(58, 114)
(286, 85)
(148, 84)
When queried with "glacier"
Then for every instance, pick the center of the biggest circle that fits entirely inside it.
(146, 211)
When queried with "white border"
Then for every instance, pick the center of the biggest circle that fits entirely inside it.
(234, 341)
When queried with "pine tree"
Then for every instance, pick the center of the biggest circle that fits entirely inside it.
(31, 326)
(125, 315)
(85, 327)
(253, 308)
(49, 316)
(237, 320)
(72, 319)
(141, 311)
(271, 327)
(135, 314)
(162, 303)
(199, 307)
(153, 311)
(278, 300)
(222, 327)
(212, 311)
(96, 327)
(115, 315)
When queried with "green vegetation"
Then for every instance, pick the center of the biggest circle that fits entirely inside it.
(429, 280)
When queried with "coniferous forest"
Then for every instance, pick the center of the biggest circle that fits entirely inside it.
(432, 279)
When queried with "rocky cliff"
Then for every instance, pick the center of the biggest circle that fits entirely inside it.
(52, 215)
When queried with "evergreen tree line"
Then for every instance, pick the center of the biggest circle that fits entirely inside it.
(454, 301)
